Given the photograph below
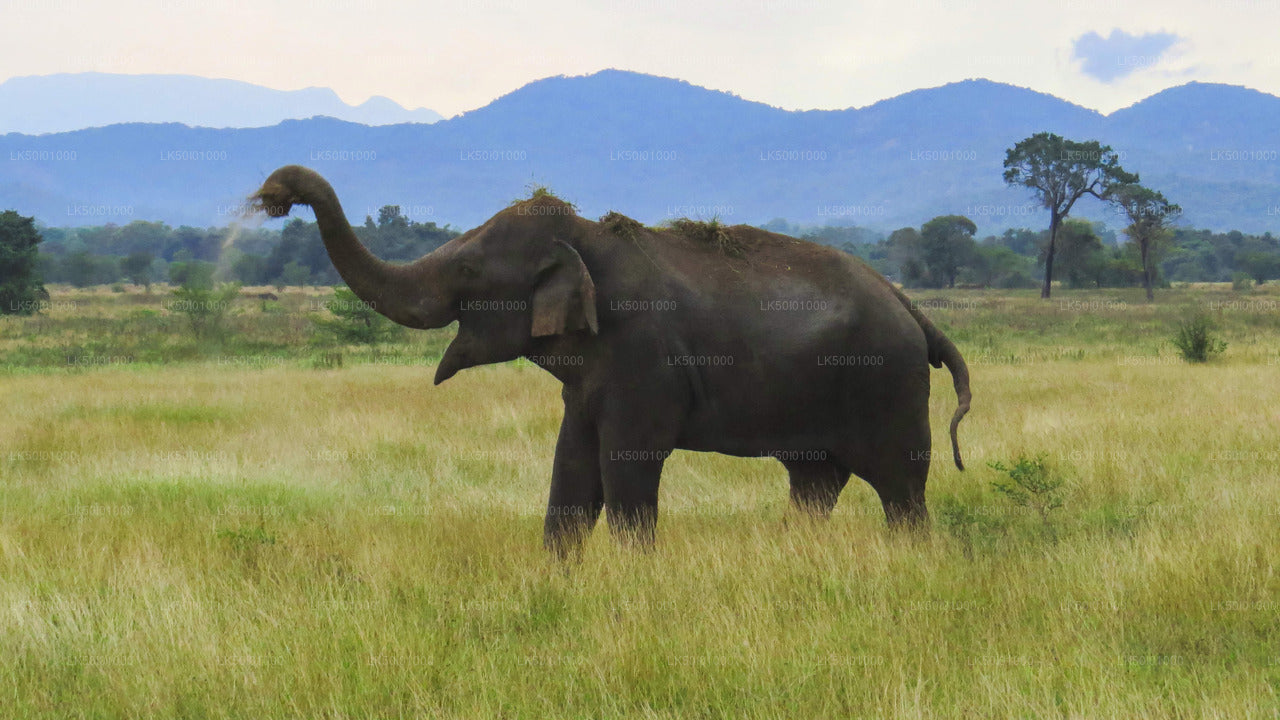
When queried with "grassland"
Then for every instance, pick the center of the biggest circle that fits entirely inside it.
(239, 529)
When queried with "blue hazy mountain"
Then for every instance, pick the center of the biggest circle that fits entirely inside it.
(656, 148)
(72, 101)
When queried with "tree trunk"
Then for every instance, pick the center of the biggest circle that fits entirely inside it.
(1146, 272)
(1054, 221)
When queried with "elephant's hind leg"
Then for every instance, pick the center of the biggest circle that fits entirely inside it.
(899, 479)
(815, 485)
(904, 505)
(895, 463)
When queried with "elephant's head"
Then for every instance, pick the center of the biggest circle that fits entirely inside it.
(511, 280)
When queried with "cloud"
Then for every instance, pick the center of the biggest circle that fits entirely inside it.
(1120, 54)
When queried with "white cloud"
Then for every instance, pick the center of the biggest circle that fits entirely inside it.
(1120, 54)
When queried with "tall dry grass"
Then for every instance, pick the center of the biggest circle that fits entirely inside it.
(215, 540)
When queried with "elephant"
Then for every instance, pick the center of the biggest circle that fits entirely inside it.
(697, 336)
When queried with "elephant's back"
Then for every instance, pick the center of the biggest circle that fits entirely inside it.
(751, 289)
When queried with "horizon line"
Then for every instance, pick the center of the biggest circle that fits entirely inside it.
(601, 71)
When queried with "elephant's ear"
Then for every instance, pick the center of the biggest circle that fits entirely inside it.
(565, 298)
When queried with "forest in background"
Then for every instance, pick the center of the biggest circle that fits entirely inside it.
(944, 252)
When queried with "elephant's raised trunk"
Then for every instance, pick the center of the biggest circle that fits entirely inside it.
(401, 292)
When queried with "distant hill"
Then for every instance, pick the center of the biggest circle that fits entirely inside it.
(656, 148)
(74, 101)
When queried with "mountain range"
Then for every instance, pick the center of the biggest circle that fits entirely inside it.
(73, 101)
(656, 148)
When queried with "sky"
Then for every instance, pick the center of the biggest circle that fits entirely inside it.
(795, 54)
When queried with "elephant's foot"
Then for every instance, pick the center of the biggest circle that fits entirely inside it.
(634, 528)
(909, 516)
(565, 543)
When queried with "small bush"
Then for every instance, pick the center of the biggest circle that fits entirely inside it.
(961, 522)
(1241, 282)
(1030, 483)
(206, 309)
(1195, 340)
(354, 321)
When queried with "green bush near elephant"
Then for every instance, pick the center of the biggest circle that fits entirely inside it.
(352, 321)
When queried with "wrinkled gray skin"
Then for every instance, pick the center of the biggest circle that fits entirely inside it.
(772, 347)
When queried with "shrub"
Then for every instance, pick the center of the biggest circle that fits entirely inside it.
(1241, 282)
(206, 308)
(960, 521)
(1195, 340)
(1030, 483)
(354, 321)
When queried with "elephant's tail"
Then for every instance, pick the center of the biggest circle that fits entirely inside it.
(944, 352)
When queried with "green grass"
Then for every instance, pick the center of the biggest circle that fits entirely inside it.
(95, 328)
(204, 538)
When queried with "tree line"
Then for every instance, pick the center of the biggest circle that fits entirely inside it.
(144, 252)
(945, 252)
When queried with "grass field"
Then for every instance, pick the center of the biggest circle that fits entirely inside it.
(238, 530)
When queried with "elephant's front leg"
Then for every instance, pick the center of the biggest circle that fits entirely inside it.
(576, 492)
(635, 440)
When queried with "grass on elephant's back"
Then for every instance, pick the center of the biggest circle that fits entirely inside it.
(194, 539)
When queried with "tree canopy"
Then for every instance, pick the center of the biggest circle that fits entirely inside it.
(1149, 214)
(21, 290)
(1059, 172)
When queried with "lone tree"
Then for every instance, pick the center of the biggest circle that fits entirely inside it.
(1149, 215)
(1060, 172)
(21, 290)
(947, 243)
